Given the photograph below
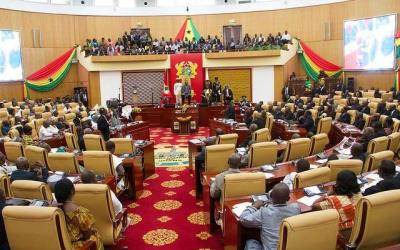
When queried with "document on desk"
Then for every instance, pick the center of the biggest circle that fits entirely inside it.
(73, 179)
(314, 166)
(308, 201)
(268, 175)
(321, 161)
(239, 208)
(196, 141)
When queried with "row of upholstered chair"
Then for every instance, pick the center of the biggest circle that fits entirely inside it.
(390, 142)
(262, 153)
(21, 220)
(371, 211)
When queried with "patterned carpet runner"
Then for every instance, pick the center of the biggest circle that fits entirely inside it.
(167, 214)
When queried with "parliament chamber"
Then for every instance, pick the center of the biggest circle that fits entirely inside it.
(169, 124)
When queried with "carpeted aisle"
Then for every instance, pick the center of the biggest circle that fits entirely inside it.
(167, 215)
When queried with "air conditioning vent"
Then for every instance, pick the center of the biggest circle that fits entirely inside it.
(244, 1)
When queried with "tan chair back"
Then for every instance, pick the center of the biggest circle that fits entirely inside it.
(64, 162)
(5, 184)
(269, 122)
(38, 109)
(367, 119)
(337, 166)
(69, 117)
(38, 123)
(13, 150)
(312, 177)
(324, 125)
(296, 149)
(295, 229)
(262, 153)
(123, 145)
(353, 115)
(84, 114)
(31, 190)
(318, 143)
(217, 157)
(94, 142)
(30, 227)
(375, 223)
(72, 141)
(261, 135)
(3, 115)
(46, 115)
(378, 144)
(60, 107)
(97, 198)
(394, 142)
(99, 162)
(228, 139)
(35, 153)
(396, 125)
(373, 161)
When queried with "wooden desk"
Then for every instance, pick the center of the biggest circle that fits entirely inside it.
(137, 130)
(340, 130)
(149, 165)
(281, 130)
(185, 124)
(242, 131)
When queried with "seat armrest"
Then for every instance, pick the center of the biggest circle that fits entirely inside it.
(351, 247)
(121, 217)
(89, 245)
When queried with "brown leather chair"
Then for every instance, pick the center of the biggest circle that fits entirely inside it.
(228, 139)
(72, 141)
(38, 124)
(338, 165)
(3, 116)
(373, 161)
(97, 198)
(261, 135)
(35, 153)
(38, 109)
(394, 142)
(396, 125)
(36, 228)
(353, 114)
(318, 143)
(99, 162)
(269, 122)
(312, 177)
(13, 150)
(373, 107)
(378, 144)
(324, 125)
(296, 149)
(217, 157)
(375, 223)
(35, 133)
(69, 117)
(60, 107)
(262, 153)
(64, 162)
(5, 184)
(31, 190)
(315, 230)
(367, 119)
(123, 145)
(94, 142)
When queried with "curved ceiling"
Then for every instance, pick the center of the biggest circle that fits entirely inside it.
(154, 7)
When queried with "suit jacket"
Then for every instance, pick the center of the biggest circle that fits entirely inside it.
(394, 113)
(365, 110)
(218, 183)
(24, 175)
(288, 116)
(383, 185)
(307, 123)
(228, 94)
(104, 127)
(359, 124)
(345, 118)
(230, 113)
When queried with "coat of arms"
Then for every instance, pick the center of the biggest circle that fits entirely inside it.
(186, 70)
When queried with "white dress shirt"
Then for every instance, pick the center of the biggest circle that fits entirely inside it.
(47, 132)
(116, 203)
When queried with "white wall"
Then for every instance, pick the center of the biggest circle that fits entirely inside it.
(110, 85)
(263, 83)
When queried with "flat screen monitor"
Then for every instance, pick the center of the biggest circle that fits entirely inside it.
(10, 56)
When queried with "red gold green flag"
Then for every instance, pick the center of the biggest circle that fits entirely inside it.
(188, 30)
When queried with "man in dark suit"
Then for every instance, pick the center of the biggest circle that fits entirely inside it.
(103, 125)
(286, 92)
(344, 116)
(387, 171)
(357, 152)
(22, 172)
(365, 109)
(288, 114)
(228, 94)
(307, 122)
(216, 90)
(230, 111)
(298, 101)
(393, 112)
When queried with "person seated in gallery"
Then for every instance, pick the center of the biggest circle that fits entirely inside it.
(79, 220)
(359, 121)
(377, 94)
(344, 197)
(286, 38)
(217, 185)
(47, 130)
(387, 172)
(301, 166)
(344, 116)
(357, 152)
(288, 114)
(365, 109)
(269, 217)
(230, 111)
(186, 93)
(23, 171)
(228, 94)
(307, 122)
(89, 177)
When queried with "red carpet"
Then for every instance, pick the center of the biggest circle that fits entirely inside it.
(167, 215)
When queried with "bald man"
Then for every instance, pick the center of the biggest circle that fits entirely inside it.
(218, 183)
(269, 217)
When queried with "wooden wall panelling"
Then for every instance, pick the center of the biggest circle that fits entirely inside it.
(10, 90)
(278, 82)
(94, 89)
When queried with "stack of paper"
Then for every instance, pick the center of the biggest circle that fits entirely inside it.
(239, 208)
(308, 201)
(268, 175)
(74, 179)
(321, 161)
(313, 190)
(314, 166)
(195, 141)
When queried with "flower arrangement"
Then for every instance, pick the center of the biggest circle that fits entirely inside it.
(136, 110)
(185, 107)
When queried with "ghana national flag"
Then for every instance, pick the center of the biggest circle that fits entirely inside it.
(188, 30)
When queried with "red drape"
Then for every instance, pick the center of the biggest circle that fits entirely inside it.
(195, 62)
(319, 61)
